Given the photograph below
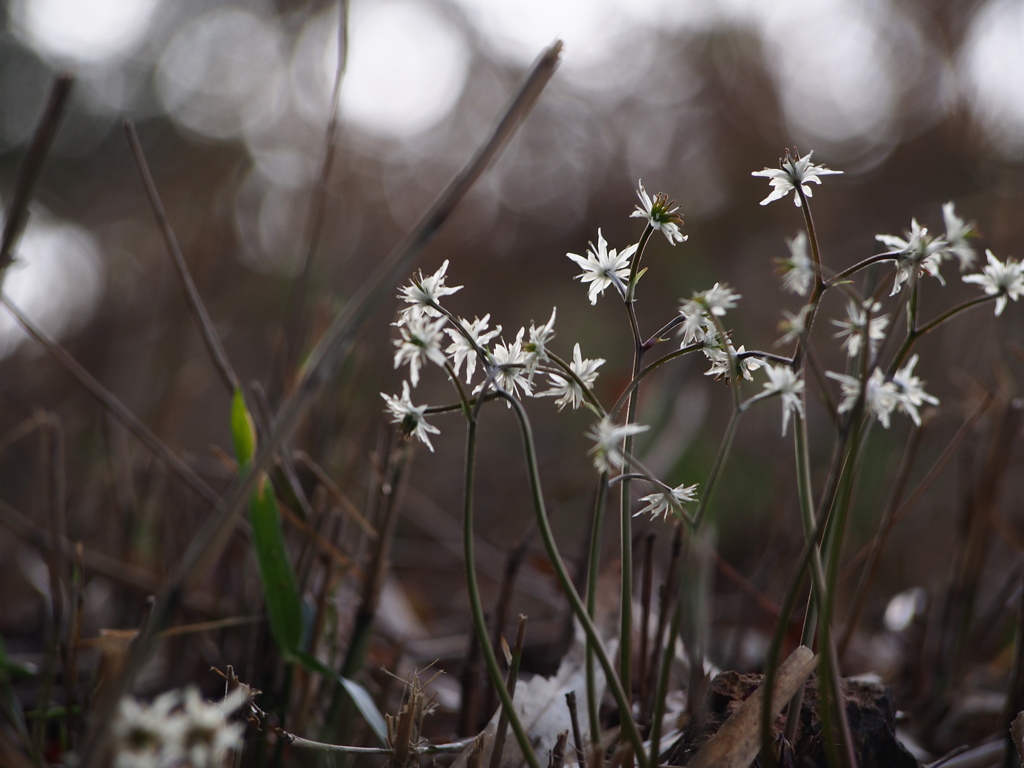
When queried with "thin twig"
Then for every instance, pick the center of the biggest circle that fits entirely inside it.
(428, 749)
(510, 685)
(195, 302)
(128, 419)
(577, 737)
(500, 618)
(295, 323)
(32, 165)
(140, 580)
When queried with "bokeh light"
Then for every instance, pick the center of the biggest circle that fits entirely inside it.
(73, 31)
(992, 64)
(56, 280)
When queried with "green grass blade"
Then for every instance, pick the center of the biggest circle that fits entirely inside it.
(284, 610)
(359, 695)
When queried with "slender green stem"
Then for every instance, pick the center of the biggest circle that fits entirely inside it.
(625, 510)
(593, 568)
(716, 468)
(664, 677)
(479, 622)
(628, 725)
(804, 495)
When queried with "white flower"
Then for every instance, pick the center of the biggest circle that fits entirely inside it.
(466, 341)
(1005, 280)
(509, 362)
(603, 267)
(881, 397)
(147, 734)
(536, 349)
(857, 326)
(784, 381)
(410, 416)
(718, 299)
(177, 730)
(909, 389)
(565, 388)
(669, 501)
(660, 214)
(423, 292)
(608, 437)
(798, 269)
(792, 326)
(695, 324)
(420, 342)
(722, 365)
(790, 175)
(207, 733)
(921, 254)
(957, 233)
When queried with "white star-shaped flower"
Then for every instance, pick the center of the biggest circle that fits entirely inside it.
(465, 343)
(608, 437)
(603, 266)
(509, 362)
(423, 293)
(857, 325)
(909, 389)
(410, 416)
(957, 233)
(668, 501)
(921, 254)
(793, 174)
(792, 326)
(881, 397)
(784, 381)
(1005, 280)
(722, 362)
(208, 735)
(797, 270)
(420, 342)
(565, 388)
(719, 298)
(661, 214)
(536, 349)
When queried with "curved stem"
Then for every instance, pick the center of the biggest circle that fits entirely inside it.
(864, 264)
(635, 382)
(931, 325)
(578, 608)
(716, 468)
(479, 622)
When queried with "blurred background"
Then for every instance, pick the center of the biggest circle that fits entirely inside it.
(917, 102)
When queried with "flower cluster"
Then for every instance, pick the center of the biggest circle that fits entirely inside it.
(526, 366)
(903, 392)
(920, 253)
(179, 728)
(424, 327)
